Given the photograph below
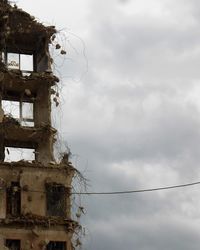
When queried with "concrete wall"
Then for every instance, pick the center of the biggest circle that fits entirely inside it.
(36, 239)
(32, 180)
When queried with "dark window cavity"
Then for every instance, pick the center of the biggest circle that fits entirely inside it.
(56, 245)
(55, 199)
(13, 199)
(13, 244)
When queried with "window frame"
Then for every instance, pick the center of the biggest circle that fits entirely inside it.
(21, 119)
(5, 58)
(58, 212)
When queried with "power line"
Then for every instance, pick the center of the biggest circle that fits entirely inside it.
(120, 192)
(138, 190)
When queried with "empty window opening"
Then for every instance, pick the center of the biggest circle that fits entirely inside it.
(18, 154)
(23, 62)
(27, 118)
(13, 244)
(11, 108)
(20, 110)
(55, 200)
(26, 62)
(56, 245)
(13, 61)
(13, 199)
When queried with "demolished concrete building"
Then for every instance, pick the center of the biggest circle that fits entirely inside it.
(34, 194)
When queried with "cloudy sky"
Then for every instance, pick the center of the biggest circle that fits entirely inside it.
(130, 112)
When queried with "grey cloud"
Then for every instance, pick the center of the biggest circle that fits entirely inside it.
(159, 125)
(148, 47)
(147, 234)
(141, 73)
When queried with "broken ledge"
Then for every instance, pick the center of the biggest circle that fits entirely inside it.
(14, 80)
(34, 164)
(14, 132)
(31, 220)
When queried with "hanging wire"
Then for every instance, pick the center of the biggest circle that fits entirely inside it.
(126, 191)
(140, 190)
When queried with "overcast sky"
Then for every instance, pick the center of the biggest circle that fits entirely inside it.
(130, 112)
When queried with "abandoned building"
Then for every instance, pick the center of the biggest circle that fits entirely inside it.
(34, 189)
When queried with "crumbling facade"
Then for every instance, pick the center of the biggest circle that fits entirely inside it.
(34, 193)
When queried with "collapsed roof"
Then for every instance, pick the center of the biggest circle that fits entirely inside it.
(18, 28)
